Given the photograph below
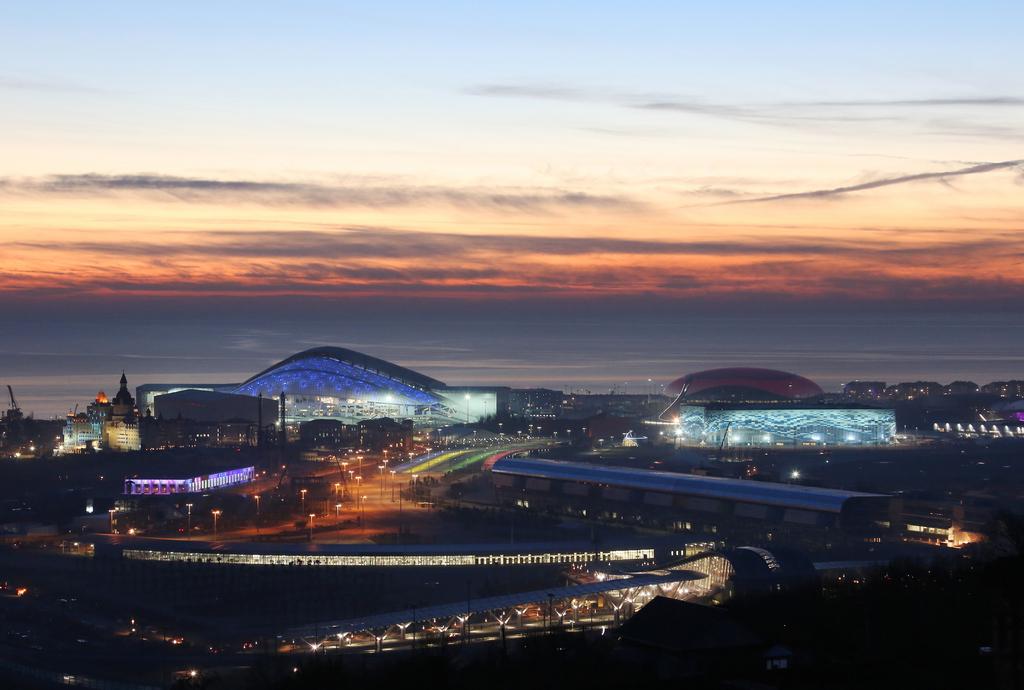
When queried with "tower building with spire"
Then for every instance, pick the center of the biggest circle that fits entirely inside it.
(121, 433)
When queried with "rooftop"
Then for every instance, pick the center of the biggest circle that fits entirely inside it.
(742, 490)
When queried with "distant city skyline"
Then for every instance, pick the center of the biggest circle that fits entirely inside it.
(587, 353)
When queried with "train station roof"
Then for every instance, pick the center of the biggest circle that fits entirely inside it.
(741, 490)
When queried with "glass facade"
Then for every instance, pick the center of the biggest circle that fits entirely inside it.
(392, 560)
(324, 386)
(785, 426)
(209, 482)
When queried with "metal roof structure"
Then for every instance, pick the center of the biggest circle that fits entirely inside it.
(314, 549)
(483, 605)
(782, 384)
(356, 359)
(741, 490)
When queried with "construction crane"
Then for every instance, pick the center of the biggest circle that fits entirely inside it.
(725, 437)
(14, 413)
(721, 445)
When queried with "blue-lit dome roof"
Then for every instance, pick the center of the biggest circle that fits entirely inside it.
(343, 374)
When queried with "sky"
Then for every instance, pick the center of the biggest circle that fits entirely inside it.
(565, 194)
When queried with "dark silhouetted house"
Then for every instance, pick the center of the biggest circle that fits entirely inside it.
(676, 639)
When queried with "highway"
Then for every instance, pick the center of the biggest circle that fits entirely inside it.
(441, 462)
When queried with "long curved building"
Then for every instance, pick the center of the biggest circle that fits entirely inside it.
(336, 383)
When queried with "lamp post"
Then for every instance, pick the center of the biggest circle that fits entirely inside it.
(467, 408)
(337, 511)
(111, 512)
(302, 499)
(311, 516)
(188, 535)
(392, 486)
(257, 498)
(216, 514)
(381, 468)
(344, 471)
(362, 508)
(337, 488)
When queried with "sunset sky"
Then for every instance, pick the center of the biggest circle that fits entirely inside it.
(434, 182)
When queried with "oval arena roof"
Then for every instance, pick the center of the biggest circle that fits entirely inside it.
(782, 384)
(358, 359)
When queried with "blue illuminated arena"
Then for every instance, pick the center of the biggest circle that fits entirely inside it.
(754, 407)
(335, 383)
(785, 426)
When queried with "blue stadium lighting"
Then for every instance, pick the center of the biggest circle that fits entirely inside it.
(334, 383)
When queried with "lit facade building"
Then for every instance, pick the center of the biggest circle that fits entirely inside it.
(864, 390)
(122, 430)
(915, 390)
(349, 386)
(766, 408)
(210, 482)
(1005, 389)
(82, 431)
(335, 383)
(535, 403)
(800, 426)
(105, 425)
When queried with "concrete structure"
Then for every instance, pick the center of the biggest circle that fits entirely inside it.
(146, 394)
(213, 406)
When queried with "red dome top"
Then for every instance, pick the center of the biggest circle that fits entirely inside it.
(778, 384)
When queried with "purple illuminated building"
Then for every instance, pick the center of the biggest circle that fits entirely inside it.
(209, 482)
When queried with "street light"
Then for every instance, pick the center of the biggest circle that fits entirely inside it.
(188, 536)
(337, 511)
(111, 512)
(381, 468)
(216, 514)
(302, 499)
(311, 516)
(392, 486)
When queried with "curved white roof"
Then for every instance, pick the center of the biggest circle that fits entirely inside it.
(742, 490)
